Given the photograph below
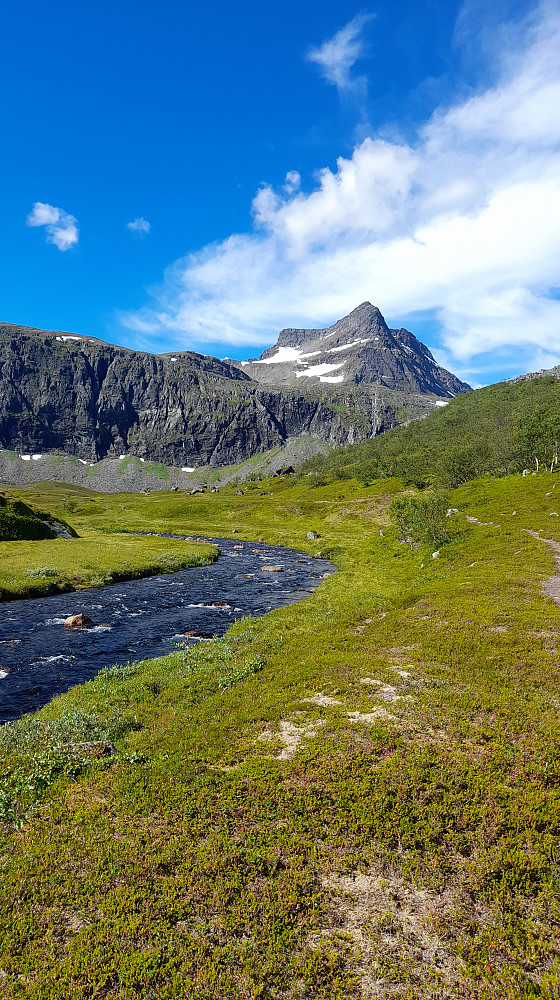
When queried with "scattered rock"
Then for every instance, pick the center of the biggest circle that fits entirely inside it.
(526, 472)
(435, 555)
(311, 535)
(272, 569)
(58, 529)
(78, 621)
(239, 493)
(194, 634)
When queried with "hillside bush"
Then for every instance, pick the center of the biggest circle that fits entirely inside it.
(422, 518)
(498, 429)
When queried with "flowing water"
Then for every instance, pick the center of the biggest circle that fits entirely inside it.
(40, 657)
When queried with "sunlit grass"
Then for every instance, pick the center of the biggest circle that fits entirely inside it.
(32, 568)
(408, 845)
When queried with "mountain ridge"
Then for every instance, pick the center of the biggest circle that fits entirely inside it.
(377, 354)
(94, 400)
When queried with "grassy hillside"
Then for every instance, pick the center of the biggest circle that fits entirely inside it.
(20, 521)
(356, 796)
(500, 429)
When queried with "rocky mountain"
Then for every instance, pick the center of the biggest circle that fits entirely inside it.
(78, 395)
(358, 350)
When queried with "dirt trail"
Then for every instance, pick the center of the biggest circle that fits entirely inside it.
(551, 586)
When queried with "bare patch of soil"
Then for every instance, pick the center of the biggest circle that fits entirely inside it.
(291, 735)
(392, 925)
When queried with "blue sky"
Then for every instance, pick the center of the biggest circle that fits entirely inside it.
(197, 177)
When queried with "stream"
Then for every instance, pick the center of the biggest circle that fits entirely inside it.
(141, 619)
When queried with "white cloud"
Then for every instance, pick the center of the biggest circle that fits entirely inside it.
(62, 228)
(139, 226)
(337, 55)
(463, 223)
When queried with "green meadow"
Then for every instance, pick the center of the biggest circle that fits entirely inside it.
(37, 568)
(355, 796)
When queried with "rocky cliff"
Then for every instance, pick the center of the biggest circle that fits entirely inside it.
(359, 350)
(79, 395)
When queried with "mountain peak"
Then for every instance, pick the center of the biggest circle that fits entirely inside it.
(358, 349)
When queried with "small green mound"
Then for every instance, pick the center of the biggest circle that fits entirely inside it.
(19, 522)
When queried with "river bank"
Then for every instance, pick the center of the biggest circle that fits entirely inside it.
(353, 796)
(140, 619)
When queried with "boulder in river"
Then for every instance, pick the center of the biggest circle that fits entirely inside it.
(272, 569)
(78, 621)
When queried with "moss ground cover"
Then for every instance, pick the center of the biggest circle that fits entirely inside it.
(354, 796)
(35, 568)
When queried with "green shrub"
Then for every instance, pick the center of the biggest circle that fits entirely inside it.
(42, 573)
(422, 517)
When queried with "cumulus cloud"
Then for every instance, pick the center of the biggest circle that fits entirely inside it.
(139, 226)
(62, 228)
(462, 224)
(337, 55)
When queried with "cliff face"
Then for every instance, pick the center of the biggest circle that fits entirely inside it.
(93, 400)
(79, 395)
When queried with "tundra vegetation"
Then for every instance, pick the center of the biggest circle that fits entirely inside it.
(355, 796)
(499, 429)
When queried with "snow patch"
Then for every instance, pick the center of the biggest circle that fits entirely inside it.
(36, 458)
(83, 461)
(346, 347)
(188, 468)
(331, 378)
(441, 402)
(121, 457)
(26, 458)
(284, 354)
(69, 338)
(323, 369)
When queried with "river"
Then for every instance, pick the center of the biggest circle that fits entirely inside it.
(140, 619)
